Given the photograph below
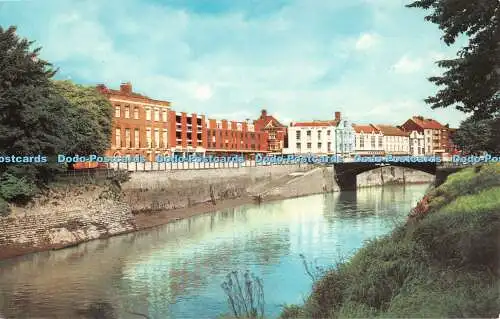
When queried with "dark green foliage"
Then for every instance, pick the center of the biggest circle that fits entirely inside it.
(475, 136)
(4, 207)
(90, 118)
(32, 115)
(40, 116)
(471, 81)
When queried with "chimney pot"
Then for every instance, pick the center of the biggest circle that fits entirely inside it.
(126, 88)
(337, 116)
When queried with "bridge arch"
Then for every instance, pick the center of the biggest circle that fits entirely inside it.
(345, 173)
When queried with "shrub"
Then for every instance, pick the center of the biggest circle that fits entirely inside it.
(16, 189)
(4, 207)
(245, 295)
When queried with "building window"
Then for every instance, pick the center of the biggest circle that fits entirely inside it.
(157, 114)
(308, 133)
(117, 111)
(308, 146)
(127, 138)
(362, 142)
(148, 114)
(373, 141)
(319, 135)
(380, 141)
(328, 132)
(148, 137)
(298, 146)
(157, 138)
(297, 135)
(329, 146)
(127, 112)
(164, 115)
(319, 145)
(136, 138)
(136, 113)
(118, 138)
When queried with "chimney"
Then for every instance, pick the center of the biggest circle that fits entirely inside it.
(101, 88)
(263, 113)
(126, 88)
(337, 116)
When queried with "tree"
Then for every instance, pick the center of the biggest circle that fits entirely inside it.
(90, 118)
(32, 116)
(474, 136)
(472, 80)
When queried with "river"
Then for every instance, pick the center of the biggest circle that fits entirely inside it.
(176, 270)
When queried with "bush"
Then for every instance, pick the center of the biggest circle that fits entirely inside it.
(16, 189)
(4, 207)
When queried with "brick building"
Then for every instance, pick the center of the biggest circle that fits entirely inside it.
(188, 133)
(232, 137)
(436, 136)
(277, 132)
(196, 134)
(140, 124)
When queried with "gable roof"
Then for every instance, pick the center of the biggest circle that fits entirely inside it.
(270, 120)
(389, 130)
(426, 123)
(368, 128)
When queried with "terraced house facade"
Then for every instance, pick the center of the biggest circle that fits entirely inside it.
(140, 124)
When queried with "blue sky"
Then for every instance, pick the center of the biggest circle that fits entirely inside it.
(299, 59)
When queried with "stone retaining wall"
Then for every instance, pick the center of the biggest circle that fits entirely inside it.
(185, 188)
(55, 224)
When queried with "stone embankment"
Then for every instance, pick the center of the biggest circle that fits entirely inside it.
(77, 214)
(64, 218)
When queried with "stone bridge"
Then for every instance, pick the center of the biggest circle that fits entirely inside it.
(345, 173)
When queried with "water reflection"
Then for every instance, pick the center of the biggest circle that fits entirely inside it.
(175, 271)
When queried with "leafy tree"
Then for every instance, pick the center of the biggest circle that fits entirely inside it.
(475, 136)
(471, 81)
(32, 116)
(90, 118)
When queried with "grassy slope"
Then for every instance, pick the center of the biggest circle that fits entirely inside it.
(443, 265)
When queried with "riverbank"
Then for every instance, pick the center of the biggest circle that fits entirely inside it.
(444, 262)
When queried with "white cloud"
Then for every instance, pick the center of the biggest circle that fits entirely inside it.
(203, 92)
(297, 62)
(407, 65)
(366, 41)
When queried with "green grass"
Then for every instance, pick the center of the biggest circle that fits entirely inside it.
(445, 265)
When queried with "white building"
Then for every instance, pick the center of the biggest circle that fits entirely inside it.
(396, 141)
(317, 137)
(369, 140)
(417, 143)
(321, 137)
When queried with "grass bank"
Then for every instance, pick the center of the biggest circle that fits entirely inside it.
(444, 262)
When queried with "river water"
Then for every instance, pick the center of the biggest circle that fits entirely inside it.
(176, 270)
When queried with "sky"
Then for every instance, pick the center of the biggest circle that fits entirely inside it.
(298, 59)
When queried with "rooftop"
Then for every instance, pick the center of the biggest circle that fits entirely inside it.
(427, 123)
(389, 130)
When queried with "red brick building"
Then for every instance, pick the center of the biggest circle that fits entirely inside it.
(188, 133)
(140, 124)
(235, 138)
(148, 127)
(437, 139)
(277, 132)
(196, 134)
